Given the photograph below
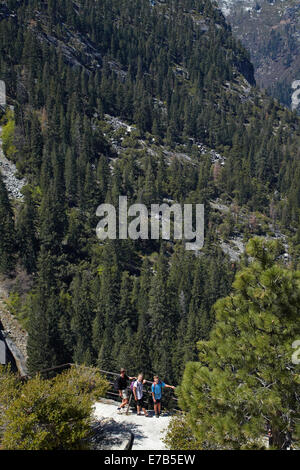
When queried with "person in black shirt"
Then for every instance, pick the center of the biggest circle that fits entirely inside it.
(122, 385)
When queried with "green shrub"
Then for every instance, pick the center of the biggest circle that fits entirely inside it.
(49, 414)
(180, 436)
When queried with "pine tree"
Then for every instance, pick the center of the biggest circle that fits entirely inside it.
(70, 177)
(160, 317)
(7, 231)
(36, 141)
(45, 348)
(140, 346)
(82, 318)
(246, 382)
(26, 234)
(108, 306)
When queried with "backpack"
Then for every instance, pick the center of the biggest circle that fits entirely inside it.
(132, 385)
(159, 382)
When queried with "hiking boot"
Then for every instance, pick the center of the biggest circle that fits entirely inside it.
(156, 416)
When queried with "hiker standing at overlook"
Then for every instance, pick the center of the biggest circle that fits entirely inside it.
(157, 387)
(121, 385)
(138, 394)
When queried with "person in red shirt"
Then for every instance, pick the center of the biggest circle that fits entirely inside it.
(122, 386)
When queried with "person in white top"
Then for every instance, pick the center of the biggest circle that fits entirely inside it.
(138, 394)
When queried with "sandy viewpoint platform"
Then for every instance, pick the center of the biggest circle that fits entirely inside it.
(148, 432)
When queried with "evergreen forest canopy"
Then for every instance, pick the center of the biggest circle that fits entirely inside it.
(174, 72)
(245, 385)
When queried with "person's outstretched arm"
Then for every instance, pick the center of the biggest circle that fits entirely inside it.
(170, 386)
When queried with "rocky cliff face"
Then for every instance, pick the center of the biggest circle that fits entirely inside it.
(8, 171)
(270, 30)
(15, 335)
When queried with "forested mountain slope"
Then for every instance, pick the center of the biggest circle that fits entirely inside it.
(270, 31)
(155, 100)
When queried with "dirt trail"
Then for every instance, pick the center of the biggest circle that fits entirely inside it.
(16, 336)
(9, 170)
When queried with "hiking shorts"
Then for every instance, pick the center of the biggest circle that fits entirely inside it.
(140, 402)
(158, 400)
(125, 394)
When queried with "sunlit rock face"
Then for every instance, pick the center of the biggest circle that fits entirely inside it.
(296, 94)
